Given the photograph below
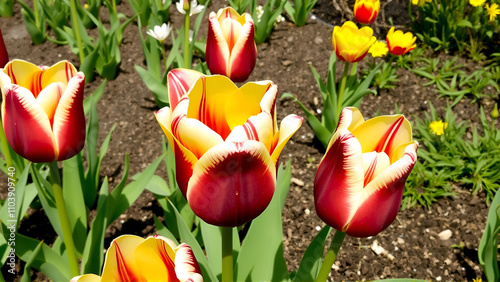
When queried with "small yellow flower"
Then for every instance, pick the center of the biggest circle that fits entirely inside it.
(493, 11)
(477, 280)
(378, 49)
(420, 2)
(438, 127)
(476, 3)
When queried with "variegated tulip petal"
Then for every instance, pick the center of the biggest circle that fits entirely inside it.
(245, 102)
(179, 82)
(382, 196)
(155, 258)
(339, 181)
(383, 133)
(289, 125)
(22, 72)
(69, 119)
(27, 126)
(120, 263)
(260, 128)
(243, 53)
(223, 190)
(268, 104)
(231, 30)
(217, 52)
(185, 263)
(49, 98)
(184, 159)
(62, 71)
(86, 278)
(210, 109)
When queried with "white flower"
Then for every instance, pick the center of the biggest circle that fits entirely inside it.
(194, 7)
(160, 32)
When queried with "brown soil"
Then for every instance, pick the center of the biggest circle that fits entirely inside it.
(411, 240)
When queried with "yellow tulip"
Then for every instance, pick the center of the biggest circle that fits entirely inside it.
(350, 43)
(400, 43)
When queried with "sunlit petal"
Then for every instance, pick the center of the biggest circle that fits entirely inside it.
(86, 278)
(217, 52)
(289, 125)
(49, 98)
(246, 102)
(21, 72)
(243, 54)
(186, 265)
(120, 263)
(155, 259)
(179, 82)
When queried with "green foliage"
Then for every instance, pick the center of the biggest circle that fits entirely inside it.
(6, 8)
(34, 20)
(452, 158)
(264, 23)
(239, 5)
(148, 11)
(299, 11)
(488, 246)
(454, 26)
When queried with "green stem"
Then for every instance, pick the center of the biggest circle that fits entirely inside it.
(63, 217)
(186, 38)
(37, 16)
(330, 256)
(227, 254)
(76, 29)
(342, 89)
(5, 146)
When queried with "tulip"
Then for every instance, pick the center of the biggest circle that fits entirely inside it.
(359, 183)
(132, 258)
(366, 11)
(226, 144)
(350, 43)
(400, 43)
(4, 56)
(42, 110)
(231, 49)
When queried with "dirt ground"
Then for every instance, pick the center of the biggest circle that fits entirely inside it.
(414, 249)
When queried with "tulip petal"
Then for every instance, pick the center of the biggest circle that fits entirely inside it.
(120, 263)
(179, 82)
(350, 118)
(339, 181)
(243, 54)
(232, 183)
(49, 98)
(22, 72)
(247, 102)
(86, 278)
(69, 119)
(207, 102)
(289, 125)
(62, 71)
(27, 126)
(184, 159)
(383, 133)
(217, 52)
(382, 196)
(4, 55)
(258, 128)
(155, 259)
(186, 266)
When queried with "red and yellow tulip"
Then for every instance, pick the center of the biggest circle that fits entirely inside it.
(350, 43)
(42, 110)
(226, 143)
(360, 181)
(4, 56)
(132, 258)
(400, 43)
(231, 49)
(366, 11)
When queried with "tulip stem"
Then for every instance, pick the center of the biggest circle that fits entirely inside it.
(227, 254)
(330, 256)
(342, 89)
(5, 146)
(76, 29)
(63, 217)
(186, 38)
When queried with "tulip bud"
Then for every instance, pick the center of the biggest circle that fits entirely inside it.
(42, 110)
(350, 43)
(366, 11)
(359, 184)
(400, 43)
(4, 56)
(494, 112)
(231, 49)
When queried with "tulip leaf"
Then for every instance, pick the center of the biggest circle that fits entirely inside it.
(93, 255)
(95, 96)
(159, 90)
(24, 195)
(72, 176)
(48, 261)
(312, 259)
(188, 238)
(488, 246)
(26, 276)
(158, 186)
(261, 255)
(163, 230)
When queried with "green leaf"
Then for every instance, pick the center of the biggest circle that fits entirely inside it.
(26, 276)
(159, 90)
(261, 255)
(163, 230)
(310, 263)
(464, 23)
(488, 246)
(95, 96)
